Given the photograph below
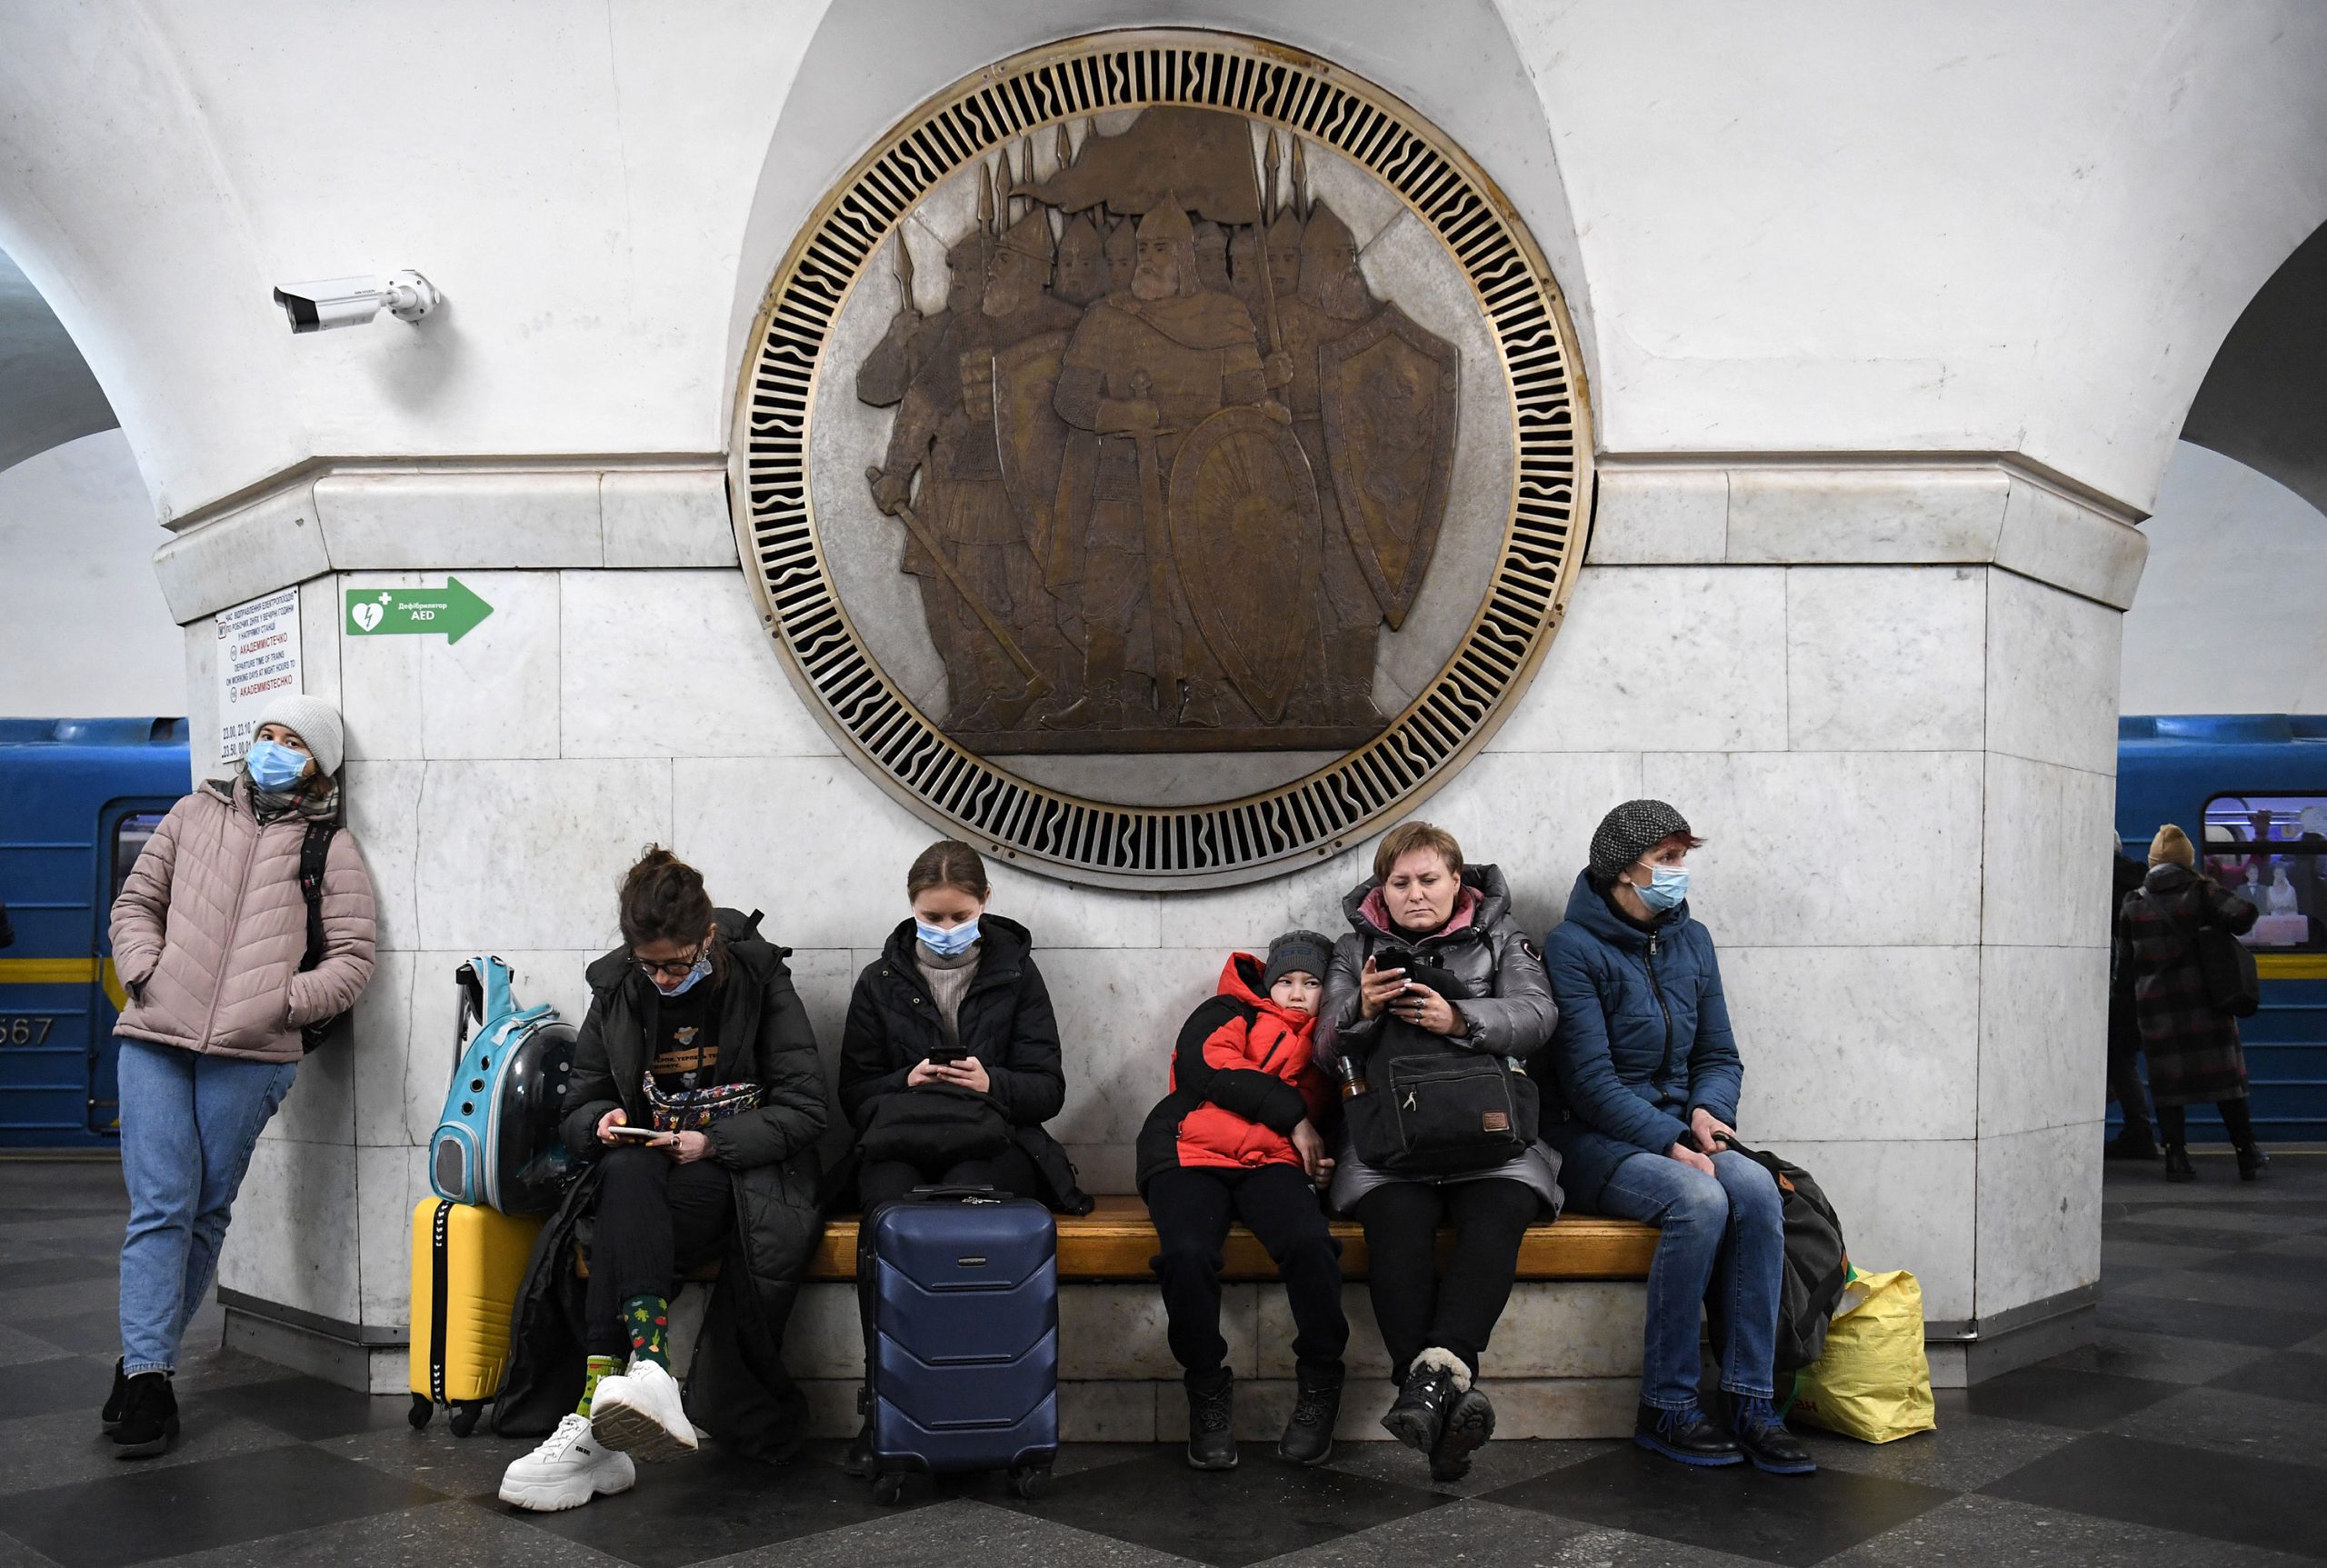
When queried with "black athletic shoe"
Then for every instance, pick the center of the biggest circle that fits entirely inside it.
(1470, 1422)
(2177, 1164)
(2251, 1163)
(1212, 1422)
(1309, 1431)
(1766, 1441)
(2127, 1145)
(118, 1400)
(1419, 1416)
(149, 1417)
(1686, 1435)
(858, 1460)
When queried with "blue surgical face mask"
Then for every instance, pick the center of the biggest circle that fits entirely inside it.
(945, 943)
(693, 978)
(1668, 885)
(274, 767)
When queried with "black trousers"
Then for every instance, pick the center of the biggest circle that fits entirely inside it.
(1192, 1207)
(1010, 1173)
(2124, 1071)
(656, 1218)
(1417, 1308)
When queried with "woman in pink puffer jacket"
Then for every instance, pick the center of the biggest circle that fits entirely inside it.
(210, 939)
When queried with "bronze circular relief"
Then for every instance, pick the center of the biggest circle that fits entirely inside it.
(1162, 459)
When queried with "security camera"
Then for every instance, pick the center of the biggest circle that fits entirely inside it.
(353, 301)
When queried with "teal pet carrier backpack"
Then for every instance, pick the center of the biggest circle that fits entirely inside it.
(498, 1143)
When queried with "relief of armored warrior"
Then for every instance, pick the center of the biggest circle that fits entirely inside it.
(1145, 367)
(1121, 253)
(889, 369)
(1081, 265)
(945, 428)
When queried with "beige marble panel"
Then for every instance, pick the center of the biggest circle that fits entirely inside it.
(1855, 1042)
(1905, 1203)
(1116, 1330)
(2054, 539)
(1795, 842)
(673, 663)
(1118, 1015)
(1661, 516)
(2043, 1037)
(383, 807)
(292, 1242)
(1864, 515)
(321, 1106)
(1524, 1408)
(2039, 1221)
(1886, 658)
(529, 854)
(388, 1182)
(381, 699)
(319, 615)
(1532, 814)
(201, 643)
(242, 554)
(1307, 897)
(436, 522)
(2052, 666)
(493, 693)
(2047, 855)
(667, 518)
(825, 1337)
(1677, 658)
(1117, 1412)
(1552, 1329)
(407, 1032)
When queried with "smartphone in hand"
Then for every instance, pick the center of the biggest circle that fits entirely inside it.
(634, 1134)
(946, 1055)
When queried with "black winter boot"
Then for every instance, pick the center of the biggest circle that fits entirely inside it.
(1211, 1420)
(2251, 1162)
(1470, 1422)
(1419, 1416)
(1765, 1440)
(149, 1417)
(1309, 1431)
(1687, 1435)
(2178, 1167)
(118, 1400)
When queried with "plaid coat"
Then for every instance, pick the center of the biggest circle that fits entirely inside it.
(2193, 1051)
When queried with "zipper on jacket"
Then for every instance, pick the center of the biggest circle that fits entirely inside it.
(1661, 1006)
(233, 924)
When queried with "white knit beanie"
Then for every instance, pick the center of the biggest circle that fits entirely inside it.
(313, 720)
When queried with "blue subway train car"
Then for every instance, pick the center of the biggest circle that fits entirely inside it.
(78, 800)
(2250, 791)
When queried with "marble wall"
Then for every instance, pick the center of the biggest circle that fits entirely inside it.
(1884, 696)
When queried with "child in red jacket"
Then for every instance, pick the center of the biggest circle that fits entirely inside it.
(1237, 1138)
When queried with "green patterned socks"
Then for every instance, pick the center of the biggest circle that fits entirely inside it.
(599, 1366)
(647, 1319)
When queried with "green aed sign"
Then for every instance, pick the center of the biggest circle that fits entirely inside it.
(452, 609)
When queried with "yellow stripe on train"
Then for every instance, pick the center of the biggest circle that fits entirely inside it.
(64, 971)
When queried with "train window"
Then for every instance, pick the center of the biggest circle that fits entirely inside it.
(2272, 850)
(129, 836)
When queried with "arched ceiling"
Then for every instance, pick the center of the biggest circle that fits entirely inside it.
(2264, 399)
(47, 396)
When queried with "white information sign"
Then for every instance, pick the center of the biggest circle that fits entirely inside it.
(258, 657)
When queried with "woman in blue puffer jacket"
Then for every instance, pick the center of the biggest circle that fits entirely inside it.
(1647, 1078)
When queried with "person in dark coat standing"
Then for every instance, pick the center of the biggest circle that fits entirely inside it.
(1647, 1080)
(697, 1096)
(1424, 901)
(2195, 1054)
(2135, 1141)
(954, 1004)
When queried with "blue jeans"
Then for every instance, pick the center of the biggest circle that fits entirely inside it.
(1723, 1243)
(188, 1124)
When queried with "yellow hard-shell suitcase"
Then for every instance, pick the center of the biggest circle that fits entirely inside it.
(468, 1263)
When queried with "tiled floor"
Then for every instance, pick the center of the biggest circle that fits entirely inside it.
(2194, 1432)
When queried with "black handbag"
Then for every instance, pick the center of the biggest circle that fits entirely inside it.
(1817, 1263)
(1432, 1108)
(2226, 967)
(933, 1126)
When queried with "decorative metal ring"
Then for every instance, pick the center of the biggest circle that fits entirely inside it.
(1279, 829)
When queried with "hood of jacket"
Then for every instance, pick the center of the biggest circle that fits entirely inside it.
(1241, 977)
(1489, 902)
(1587, 909)
(1004, 945)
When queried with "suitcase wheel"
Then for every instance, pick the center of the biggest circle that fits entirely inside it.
(465, 1416)
(1032, 1482)
(422, 1409)
(888, 1487)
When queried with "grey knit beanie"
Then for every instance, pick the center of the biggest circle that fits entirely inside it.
(1309, 951)
(1629, 832)
(313, 720)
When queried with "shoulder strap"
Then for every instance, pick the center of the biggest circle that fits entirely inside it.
(315, 850)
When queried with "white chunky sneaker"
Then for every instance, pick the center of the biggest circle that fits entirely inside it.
(566, 1471)
(640, 1413)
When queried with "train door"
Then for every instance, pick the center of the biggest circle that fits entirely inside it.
(2270, 849)
(123, 829)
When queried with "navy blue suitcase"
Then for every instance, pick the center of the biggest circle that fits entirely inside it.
(964, 1374)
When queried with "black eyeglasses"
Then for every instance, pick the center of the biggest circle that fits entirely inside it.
(676, 968)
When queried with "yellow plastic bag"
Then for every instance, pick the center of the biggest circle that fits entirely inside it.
(1874, 1381)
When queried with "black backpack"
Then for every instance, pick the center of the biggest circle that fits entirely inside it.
(314, 849)
(1817, 1264)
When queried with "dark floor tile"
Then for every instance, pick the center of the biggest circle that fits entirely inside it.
(1472, 1533)
(77, 1333)
(1263, 1508)
(2224, 1290)
(2290, 1375)
(2187, 1238)
(1497, 1466)
(2157, 1357)
(1966, 1452)
(456, 1467)
(2143, 1313)
(18, 1348)
(2165, 1486)
(99, 1297)
(43, 1452)
(1789, 1519)
(14, 1553)
(2279, 1268)
(47, 1263)
(63, 1382)
(2116, 1256)
(1981, 1532)
(310, 1408)
(953, 1535)
(713, 1506)
(2242, 1425)
(2063, 1396)
(2305, 1247)
(159, 1513)
(440, 1535)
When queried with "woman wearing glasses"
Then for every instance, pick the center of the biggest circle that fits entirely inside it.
(698, 1092)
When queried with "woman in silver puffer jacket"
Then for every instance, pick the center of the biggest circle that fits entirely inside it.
(210, 939)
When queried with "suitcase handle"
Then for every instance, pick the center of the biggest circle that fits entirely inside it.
(962, 1190)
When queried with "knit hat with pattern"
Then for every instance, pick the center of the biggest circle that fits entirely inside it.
(1308, 951)
(1629, 832)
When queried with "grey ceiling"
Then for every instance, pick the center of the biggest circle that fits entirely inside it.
(47, 396)
(2264, 399)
